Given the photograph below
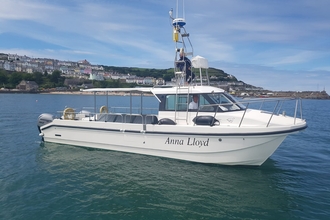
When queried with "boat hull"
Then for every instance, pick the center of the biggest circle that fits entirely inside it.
(169, 141)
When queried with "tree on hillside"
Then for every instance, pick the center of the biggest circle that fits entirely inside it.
(167, 77)
(3, 78)
(38, 77)
(56, 78)
(28, 77)
(14, 79)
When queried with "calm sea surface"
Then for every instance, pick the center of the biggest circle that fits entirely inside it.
(51, 181)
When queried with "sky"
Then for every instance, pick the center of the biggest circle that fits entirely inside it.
(278, 45)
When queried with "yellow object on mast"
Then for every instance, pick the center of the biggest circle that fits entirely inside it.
(177, 22)
(175, 34)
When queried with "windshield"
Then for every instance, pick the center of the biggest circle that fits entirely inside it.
(219, 101)
(206, 102)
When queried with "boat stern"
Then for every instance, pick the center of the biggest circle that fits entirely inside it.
(44, 119)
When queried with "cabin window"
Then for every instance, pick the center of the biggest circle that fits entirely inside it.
(180, 105)
(208, 102)
(203, 101)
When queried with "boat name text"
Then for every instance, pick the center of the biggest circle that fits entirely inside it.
(189, 141)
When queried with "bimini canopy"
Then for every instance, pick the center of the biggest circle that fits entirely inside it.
(200, 62)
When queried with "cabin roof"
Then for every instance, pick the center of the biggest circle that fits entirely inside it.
(161, 90)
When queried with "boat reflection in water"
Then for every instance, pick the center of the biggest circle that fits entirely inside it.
(133, 183)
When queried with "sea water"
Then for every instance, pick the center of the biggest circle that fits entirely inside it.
(53, 181)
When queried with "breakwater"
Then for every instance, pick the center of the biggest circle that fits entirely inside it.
(293, 94)
(304, 94)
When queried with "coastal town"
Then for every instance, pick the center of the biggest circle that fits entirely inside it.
(81, 75)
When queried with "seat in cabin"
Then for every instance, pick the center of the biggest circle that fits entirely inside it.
(205, 120)
(166, 121)
(119, 118)
(138, 119)
(151, 119)
(111, 117)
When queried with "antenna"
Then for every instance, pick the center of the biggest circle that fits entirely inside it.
(171, 13)
(177, 8)
(183, 13)
(178, 22)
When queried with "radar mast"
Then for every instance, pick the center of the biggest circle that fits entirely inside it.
(181, 39)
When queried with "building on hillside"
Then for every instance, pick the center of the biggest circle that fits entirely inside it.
(107, 75)
(97, 67)
(96, 76)
(87, 70)
(119, 76)
(73, 83)
(139, 80)
(12, 57)
(131, 80)
(9, 66)
(149, 81)
(87, 86)
(27, 86)
(3, 56)
(160, 81)
(84, 64)
(64, 69)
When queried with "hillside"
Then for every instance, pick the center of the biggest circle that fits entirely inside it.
(167, 74)
(51, 73)
(83, 69)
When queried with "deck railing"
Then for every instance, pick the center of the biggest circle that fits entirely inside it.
(273, 106)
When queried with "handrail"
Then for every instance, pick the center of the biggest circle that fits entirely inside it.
(279, 104)
(295, 110)
(272, 114)
(240, 123)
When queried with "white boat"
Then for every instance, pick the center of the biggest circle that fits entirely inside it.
(222, 130)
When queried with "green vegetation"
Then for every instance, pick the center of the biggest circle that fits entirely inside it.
(221, 75)
(10, 79)
(166, 74)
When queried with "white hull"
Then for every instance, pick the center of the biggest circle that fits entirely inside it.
(161, 140)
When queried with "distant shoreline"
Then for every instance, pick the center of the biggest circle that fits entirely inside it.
(63, 92)
(281, 94)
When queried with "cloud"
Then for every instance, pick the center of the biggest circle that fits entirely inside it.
(261, 42)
